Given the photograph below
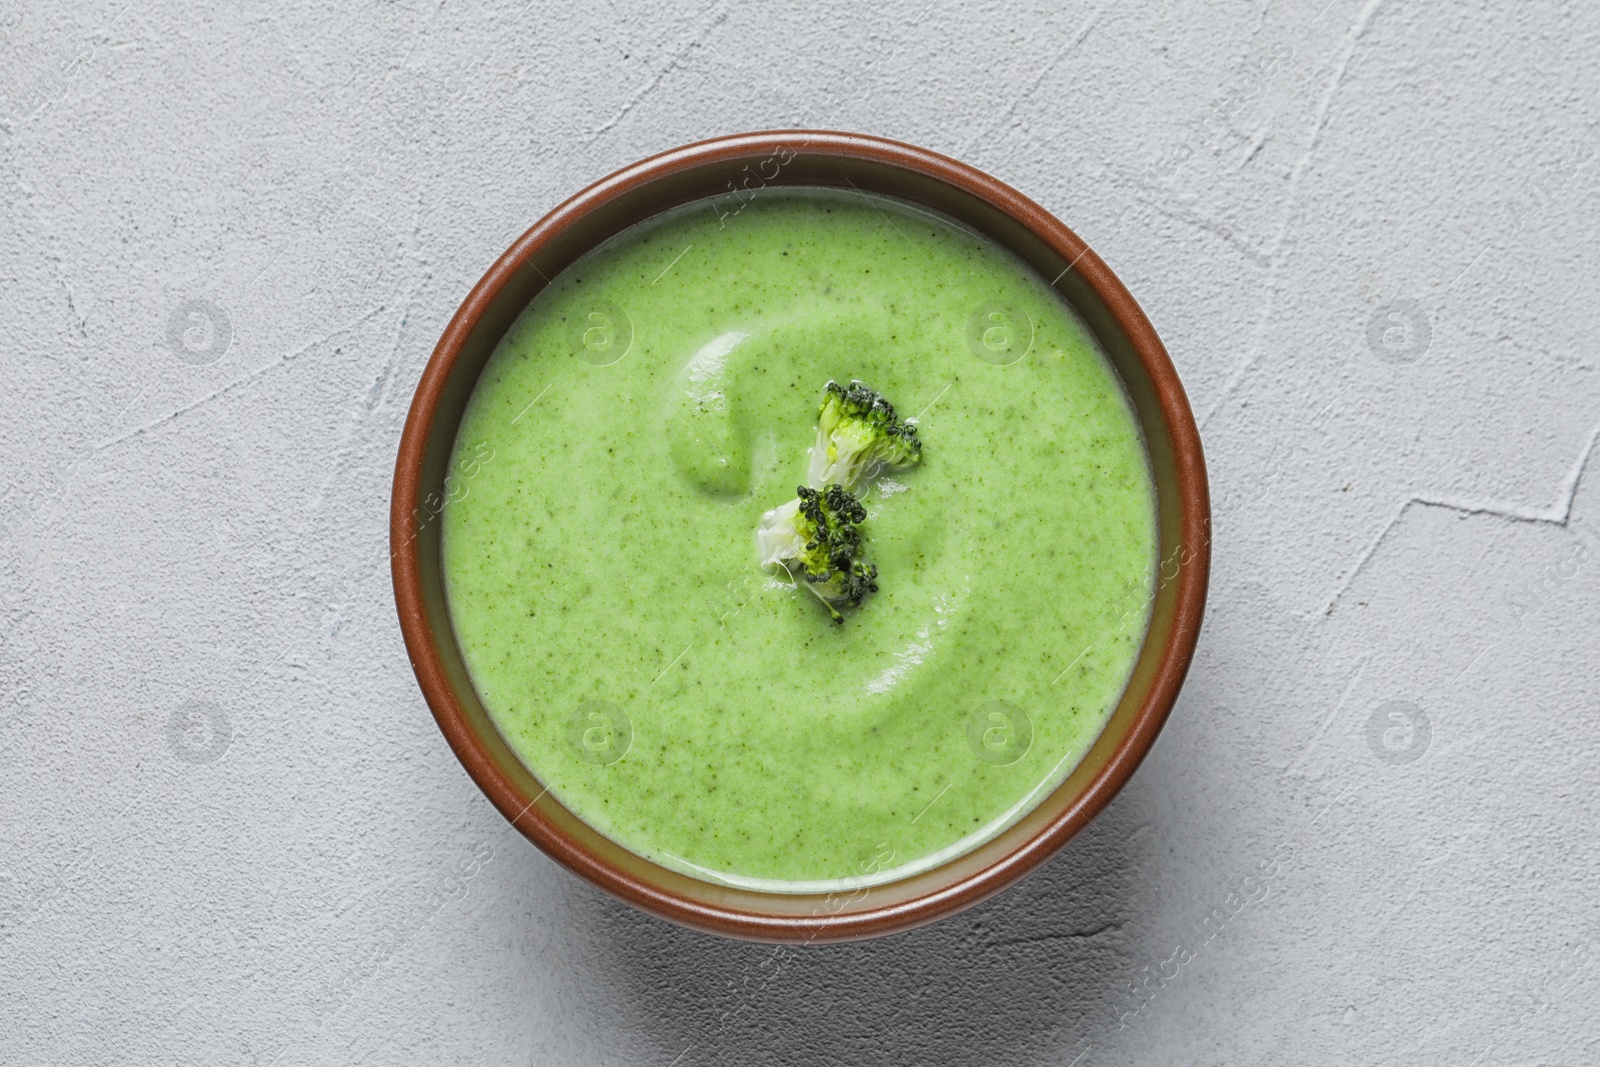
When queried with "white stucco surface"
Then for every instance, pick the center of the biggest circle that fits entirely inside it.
(1364, 228)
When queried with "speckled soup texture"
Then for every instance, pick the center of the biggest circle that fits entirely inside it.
(614, 463)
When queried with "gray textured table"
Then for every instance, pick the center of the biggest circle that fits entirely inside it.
(1365, 229)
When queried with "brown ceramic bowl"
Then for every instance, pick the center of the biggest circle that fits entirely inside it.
(736, 168)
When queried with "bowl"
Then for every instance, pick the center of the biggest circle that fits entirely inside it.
(736, 168)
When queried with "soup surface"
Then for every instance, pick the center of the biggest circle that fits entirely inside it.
(599, 544)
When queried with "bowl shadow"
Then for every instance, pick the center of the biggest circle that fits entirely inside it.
(1020, 978)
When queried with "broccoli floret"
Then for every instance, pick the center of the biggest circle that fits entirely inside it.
(816, 537)
(858, 436)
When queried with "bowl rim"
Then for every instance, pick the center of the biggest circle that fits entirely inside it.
(737, 913)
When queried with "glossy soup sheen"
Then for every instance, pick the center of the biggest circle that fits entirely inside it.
(614, 463)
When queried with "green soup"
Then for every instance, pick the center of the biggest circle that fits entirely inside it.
(599, 548)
